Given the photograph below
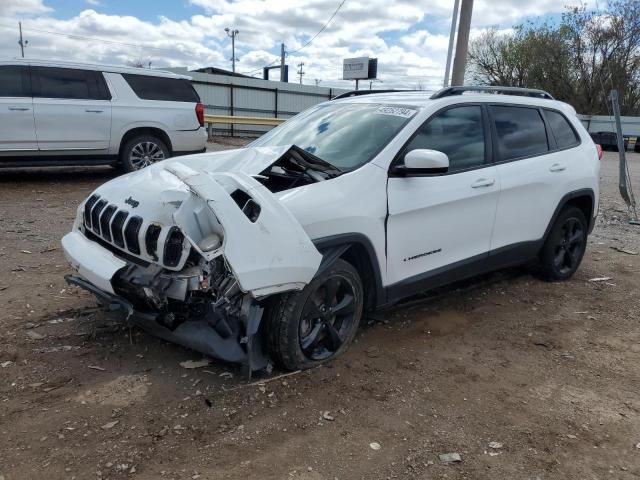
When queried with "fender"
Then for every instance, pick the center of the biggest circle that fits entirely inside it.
(333, 247)
(563, 202)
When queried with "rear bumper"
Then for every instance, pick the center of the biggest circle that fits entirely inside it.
(188, 141)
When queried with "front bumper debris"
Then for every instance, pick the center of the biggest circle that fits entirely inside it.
(198, 335)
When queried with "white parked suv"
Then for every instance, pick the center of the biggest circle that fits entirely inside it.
(274, 251)
(55, 113)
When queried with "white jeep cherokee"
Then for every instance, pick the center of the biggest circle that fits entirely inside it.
(275, 250)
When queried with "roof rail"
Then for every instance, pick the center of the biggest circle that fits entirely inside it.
(525, 92)
(357, 93)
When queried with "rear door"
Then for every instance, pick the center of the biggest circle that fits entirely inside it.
(533, 167)
(17, 126)
(72, 110)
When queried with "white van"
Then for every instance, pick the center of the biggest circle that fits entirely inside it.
(56, 113)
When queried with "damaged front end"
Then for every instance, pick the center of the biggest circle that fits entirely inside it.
(193, 255)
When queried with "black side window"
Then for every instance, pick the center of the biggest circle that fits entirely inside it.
(520, 131)
(14, 81)
(149, 87)
(458, 132)
(70, 83)
(564, 134)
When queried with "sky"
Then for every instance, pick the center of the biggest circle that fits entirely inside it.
(409, 37)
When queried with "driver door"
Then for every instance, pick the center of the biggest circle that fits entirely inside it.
(440, 224)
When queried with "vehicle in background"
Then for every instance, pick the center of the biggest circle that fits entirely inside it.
(608, 140)
(55, 113)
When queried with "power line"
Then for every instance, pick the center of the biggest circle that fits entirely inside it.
(322, 29)
(335, 12)
(93, 39)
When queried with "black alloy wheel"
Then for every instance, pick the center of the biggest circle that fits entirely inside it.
(565, 245)
(316, 324)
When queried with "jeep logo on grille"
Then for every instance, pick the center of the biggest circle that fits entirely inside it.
(132, 202)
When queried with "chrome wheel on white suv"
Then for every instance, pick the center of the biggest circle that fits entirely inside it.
(140, 152)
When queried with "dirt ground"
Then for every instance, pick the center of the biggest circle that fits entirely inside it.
(523, 379)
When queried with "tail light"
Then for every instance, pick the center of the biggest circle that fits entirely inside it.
(200, 113)
(599, 150)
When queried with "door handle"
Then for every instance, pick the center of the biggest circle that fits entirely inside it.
(557, 167)
(19, 109)
(483, 182)
(88, 110)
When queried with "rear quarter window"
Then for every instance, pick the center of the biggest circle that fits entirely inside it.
(148, 87)
(562, 130)
(520, 131)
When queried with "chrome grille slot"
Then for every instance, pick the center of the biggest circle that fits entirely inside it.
(87, 209)
(95, 215)
(173, 247)
(151, 240)
(105, 222)
(131, 232)
(116, 228)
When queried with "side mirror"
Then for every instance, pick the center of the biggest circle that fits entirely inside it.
(425, 161)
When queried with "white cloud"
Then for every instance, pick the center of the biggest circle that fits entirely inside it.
(9, 8)
(395, 32)
(94, 3)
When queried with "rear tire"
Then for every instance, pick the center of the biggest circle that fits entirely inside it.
(316, 324)
(565, 246)
(141, 151)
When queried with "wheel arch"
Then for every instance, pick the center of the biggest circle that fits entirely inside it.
(584, 199)
(139, 131)
(358, 250)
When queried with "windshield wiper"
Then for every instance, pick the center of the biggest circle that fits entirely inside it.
(309, 161)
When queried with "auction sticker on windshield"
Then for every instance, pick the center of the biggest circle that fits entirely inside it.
(396, 111)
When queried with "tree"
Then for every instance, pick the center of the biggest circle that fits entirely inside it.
(140, 63)
(578, 60)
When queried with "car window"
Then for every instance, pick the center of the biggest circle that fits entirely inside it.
(69, 83)
(564, 134)
(347, 135)
(458, 132)
(14, 81)
(149, 87)
(520, 131)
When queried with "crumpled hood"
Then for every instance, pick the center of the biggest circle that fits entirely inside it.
(154, 184)
(218, 206)
(249, 160)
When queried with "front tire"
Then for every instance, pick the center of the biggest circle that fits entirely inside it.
(565, 246)
(142, 151)
(316, 324)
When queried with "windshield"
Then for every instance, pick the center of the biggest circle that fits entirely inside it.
(347, 135)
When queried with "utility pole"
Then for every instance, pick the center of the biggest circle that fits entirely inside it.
(623, 184)
(317, 80)
(460, 60)
(282, 54)
(452, 35)
(300, 72)
(232, 32)
(21, 42)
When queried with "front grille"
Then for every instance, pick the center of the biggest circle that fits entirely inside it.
(111, 227)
